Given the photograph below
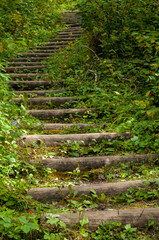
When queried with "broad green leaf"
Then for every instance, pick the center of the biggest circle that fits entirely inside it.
(23, 219)
(84, 221)
(26, 228)
(53, 221)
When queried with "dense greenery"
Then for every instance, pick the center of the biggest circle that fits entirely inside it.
(24, 23)
(123, 85)
(122, 28)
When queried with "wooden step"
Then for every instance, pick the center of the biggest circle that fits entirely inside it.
(89, 163)
(74, 29)
(62, 44)
(66, 34)
(68, 31)
(27, 76)
(26, 59)
(59, 113)
(56, 194)
(40, 92)
(82, 139)
(23, 68)
(50, 50)
(31, 84)
(28, 54)
(140, 218)
(45, 100)
(56, 46)
(62, 39)
(60, 126)
(73, 24)
(25, 63)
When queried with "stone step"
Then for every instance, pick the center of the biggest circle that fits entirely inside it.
(45, 100)
(25, 59)
(40, 92)
(22, 64)
(82, 139)
(27, 76)
(58, 113)
(140, 218)
(23, 68)
(89, 163)
(61, 126)
(31, 84)
(56, 194)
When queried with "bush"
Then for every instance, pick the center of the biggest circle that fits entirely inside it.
(121, 28)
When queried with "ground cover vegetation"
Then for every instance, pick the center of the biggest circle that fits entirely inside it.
(114, 69)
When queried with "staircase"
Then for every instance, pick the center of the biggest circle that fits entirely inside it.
(29, 77)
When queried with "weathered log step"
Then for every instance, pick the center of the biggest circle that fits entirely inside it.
(27, 76)
(135, 217)
(31, 84)
(72, 21)
(53, 45)
(70, 31)
(62, 39)
(45, 100)
(58, 113)
(70, 16)
(26, 59)
(40, 92)
(89, 163)
(66, 34)
(23, 68)
(51, 50)
(22, 64)
(60, 126)
(28, 54)
(115, 188)
(73, 29)
(82, 139)
(73, 24)
(56, 46)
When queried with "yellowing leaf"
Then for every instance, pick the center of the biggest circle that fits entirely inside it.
(1, 47)
(148, 94)
(150, 113)
(142, 104)
(155, 65)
